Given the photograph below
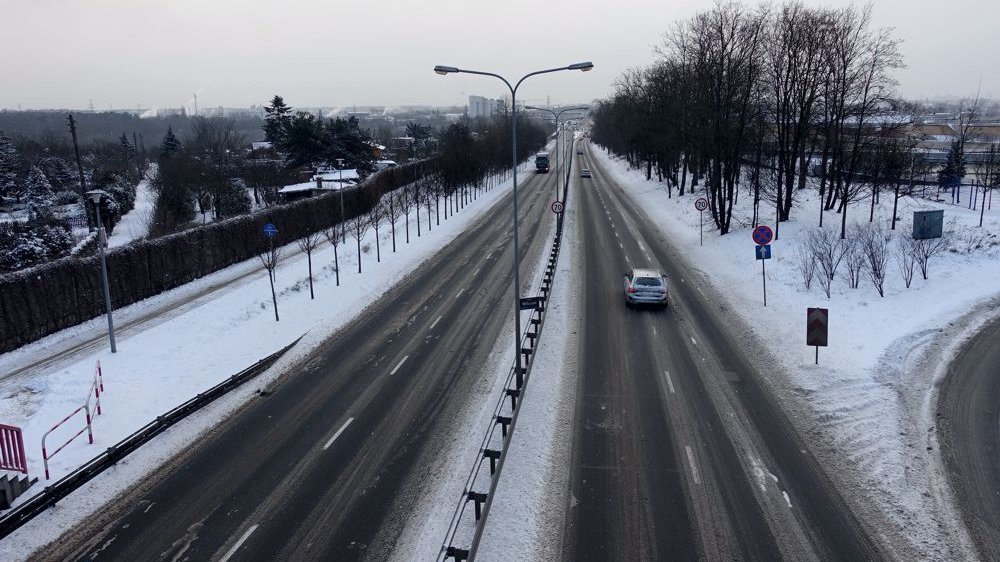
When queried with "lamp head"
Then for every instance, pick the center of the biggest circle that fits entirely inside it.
(95, 195)
(442, 70)
(584, 66)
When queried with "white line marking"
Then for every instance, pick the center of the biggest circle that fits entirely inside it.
(458, 294)
(336, 435)
(654, 330)
(476, 272)
(229, 554)
(670, 383)
(694, 469)
(694, 342)
(398, 365)
(620, 246)
(435, 322)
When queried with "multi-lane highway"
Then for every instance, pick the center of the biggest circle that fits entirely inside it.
(679, 452)
(325, 467)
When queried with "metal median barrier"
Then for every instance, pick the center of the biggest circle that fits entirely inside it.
(462, 539)
(66, 485)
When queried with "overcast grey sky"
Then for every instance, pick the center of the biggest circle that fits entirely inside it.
(122, 53)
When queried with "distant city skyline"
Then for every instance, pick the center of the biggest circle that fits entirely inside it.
(121, 54)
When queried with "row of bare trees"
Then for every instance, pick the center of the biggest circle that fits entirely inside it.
(758, 94)
(820, 254)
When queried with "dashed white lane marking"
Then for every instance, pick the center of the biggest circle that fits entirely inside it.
(784, 494)
(476, 272)
(670, 383)
(620, 246)
(229, 553)
(458, 294)
(398, 365)
(336, 435)
(435, 322)
(654, 330)
(694, 469)
(694, 342)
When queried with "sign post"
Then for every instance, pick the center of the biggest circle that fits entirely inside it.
(557, 207)
(762, 235)
(817, 321)
(701, 204)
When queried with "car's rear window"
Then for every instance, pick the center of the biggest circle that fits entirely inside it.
(647, 282)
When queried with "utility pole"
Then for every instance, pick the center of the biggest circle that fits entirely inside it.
(79, 167)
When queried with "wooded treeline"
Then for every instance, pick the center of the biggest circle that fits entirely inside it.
(761, 97)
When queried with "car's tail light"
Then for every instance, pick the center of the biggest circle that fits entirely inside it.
(631, 289)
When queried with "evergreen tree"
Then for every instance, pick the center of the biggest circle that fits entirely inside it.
(128, 151)
(170, 145)
(232, 199)
(8, 167)
(37, 193)
(950, 176)
(59, 173)
(276, 121)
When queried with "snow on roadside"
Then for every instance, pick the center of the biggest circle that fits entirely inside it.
(861, 407)
(161, 367)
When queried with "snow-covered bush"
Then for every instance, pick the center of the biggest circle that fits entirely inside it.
(25, 244)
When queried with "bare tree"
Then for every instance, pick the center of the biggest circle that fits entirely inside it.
(333, 236)
(269, 259)
(359, 227)
(854, 257)
(375, 217)
(805, 262)
(405, 204)
(393, 209)
(988, 175)
(875, 247)
(925, 249)
(829, 250)
(307, 244)
(906, 259)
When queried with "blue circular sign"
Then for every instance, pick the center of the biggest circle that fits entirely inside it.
(270, 230)
(762, 235)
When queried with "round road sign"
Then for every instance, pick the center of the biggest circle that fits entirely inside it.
(270, 230)
(762, 235)
(701, 203)
(557, 207)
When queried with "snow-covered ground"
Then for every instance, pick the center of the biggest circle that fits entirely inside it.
(159, 368)
(134, 225)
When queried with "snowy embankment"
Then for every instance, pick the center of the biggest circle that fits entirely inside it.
(169, 363)
(134, 225)
(867, 409)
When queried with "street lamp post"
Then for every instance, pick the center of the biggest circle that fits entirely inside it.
(582, 66)
(96, 196)
(343, 229)
(555, 115)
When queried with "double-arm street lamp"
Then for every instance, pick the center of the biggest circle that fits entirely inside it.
(96, 196)
(583, 66)
(555, 115)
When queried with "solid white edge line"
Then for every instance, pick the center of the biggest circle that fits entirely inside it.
(435, 322)
(398, 365)
(670, 383)
(694, 469)
(336, 435)
(229, 553)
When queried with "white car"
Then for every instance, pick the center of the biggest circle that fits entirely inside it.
(646, 286)
(585, 173)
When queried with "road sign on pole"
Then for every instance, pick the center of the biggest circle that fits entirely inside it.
(557, 207)
(817, 321)
(763, 235)
(531, 303)
(270, 230)
(763, 253)
(701, 204)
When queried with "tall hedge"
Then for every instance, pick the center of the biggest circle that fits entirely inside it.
(40, 301)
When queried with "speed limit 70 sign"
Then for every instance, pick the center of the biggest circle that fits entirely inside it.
(557, 207)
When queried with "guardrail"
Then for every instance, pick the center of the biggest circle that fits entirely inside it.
(63, 487)
(494, 447)
(12, 449)
(96, 387)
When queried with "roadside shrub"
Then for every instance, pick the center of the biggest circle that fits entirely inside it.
(24, 244)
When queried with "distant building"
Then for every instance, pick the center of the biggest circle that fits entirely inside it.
(482, 107)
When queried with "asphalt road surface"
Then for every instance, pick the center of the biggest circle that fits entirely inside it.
(679, 453)
(969, 424)
(327, 466)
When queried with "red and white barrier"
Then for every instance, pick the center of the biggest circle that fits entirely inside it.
(95, 390)
(12, 449)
